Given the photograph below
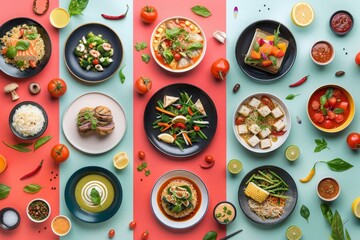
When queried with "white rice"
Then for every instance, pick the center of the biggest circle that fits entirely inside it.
(28, 120)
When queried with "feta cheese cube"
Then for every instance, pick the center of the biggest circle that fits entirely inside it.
(264, 111)
(242, 129)
(245, 111)
(254, 128)
(253, 141)
(276, 112)
(264, 133)
(265, 143)
(279, 125)
(254, 102)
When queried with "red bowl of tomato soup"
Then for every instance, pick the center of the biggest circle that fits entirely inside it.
(331, 108)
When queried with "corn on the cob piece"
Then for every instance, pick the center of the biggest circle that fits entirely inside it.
(256, 193)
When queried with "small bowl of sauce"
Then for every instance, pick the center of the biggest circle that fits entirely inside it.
(328, 189)
(59, 17)
(224, 212)
(322, 53)
(61, 225)
(38, 210)
(341, 22)
(9, 218)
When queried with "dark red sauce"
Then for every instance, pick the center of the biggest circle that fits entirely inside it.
(341, 22)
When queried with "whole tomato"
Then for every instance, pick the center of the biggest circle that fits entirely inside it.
(59, 153)
(143, 85)
(220, 68)
(144, 235)
(132, 225)
(357, 59)
(353, 140)
(148, 14)
(57, 87)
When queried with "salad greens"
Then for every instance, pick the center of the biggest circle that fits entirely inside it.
(76, 7)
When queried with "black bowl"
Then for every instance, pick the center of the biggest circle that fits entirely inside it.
(349, 18)
(19, 135)
(224, 223)
(2, 224)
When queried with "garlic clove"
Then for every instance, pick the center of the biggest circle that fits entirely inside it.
(219, 36)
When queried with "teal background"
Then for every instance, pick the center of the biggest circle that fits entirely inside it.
(112, 87)
(302, 135)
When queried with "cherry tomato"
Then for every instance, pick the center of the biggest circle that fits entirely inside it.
(267, 101)
(339, 118)
(141, 155)
(353, 140)
(95, 61)
(344, 105)
(132, 225)
(144, 235)
(328, 124)
(177, 56)
(57, 87)
(143, 85)
(337, 93)
(209, 159)
(239, 120)
(315, 105)
(148, 14)
(22, 31)
(196, 128)
(111, 233)
(220, 68)
(318, 117)
(59, 153)
(332, 101)
(357, 59)
(331, 115)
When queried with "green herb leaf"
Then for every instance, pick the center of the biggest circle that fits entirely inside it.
(145, 57)
(169, 57)
(347, 235)
(20, 63)
(122, 75)
(305, 212)
(276, 36)
(194, 46)
(329, 93)
(291, 96)
(171, 34)
(76, 7)
(41, 141)
(147, 172)
(140, 168)
(32, 188)
(323, 100)
(327, 213)
(201, 11)
(274, 60)
(321, 144)
(21, 147)
(4, 191)
(31, 36)
(337, 228)
(212, 235)
(95, 197)
(338, 165)
(140, 46)
(11, 52)
(338, 110)
(22, 45)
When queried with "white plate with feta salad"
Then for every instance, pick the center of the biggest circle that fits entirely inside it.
(93, 53)
(261, 122)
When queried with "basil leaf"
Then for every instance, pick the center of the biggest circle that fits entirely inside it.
(77, 6)
(321, 144)
(21, 147)
(122, 75)
(95, 197)
(22, 45)
(41, 141)
(31, 36)
(347, 235)
(338, 165)
(291, 96)
(327, 213)
(329, 93)
(140, 46)
(147, 172)
(305, 212)
(212, 235)
(32, 188)
(172, 33)
(323, 100)
(4, 191)
(337, 229)
(20, 63)
(338, 110)
(145, 58)
(11, 52)
(194, 46)
(201, 11)
(168, 56)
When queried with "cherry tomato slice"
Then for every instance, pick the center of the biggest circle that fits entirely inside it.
(267, 101)
(111, 233)
(144, 235)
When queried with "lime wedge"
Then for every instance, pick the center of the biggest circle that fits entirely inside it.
(292, 152)
(293, 233)
(234, 166)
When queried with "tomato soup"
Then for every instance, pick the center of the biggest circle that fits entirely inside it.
(329, 107)
(328, 188)
(322, 52)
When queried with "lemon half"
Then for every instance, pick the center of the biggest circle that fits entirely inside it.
(356, 207)
(302, 14)
(120, 160)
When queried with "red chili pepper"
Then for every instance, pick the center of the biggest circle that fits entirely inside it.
(32, 173)
(179, 125)
(207, 165)
(298, 83)
(109, 17)
(275, 133)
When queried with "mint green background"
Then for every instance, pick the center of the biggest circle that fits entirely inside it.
(121, 93)
(302, 135)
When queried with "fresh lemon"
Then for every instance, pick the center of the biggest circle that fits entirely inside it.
(120, 160)
(292, 152)
(356, 207)
(234, 166)
(293, 233)
(165, 137)
(302, 14)
(179, 119)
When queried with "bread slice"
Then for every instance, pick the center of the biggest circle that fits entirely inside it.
(168, 100)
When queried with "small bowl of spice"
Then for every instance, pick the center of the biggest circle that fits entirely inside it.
(38, 210)
(9, 218)
(224, 212)
(61, 225)
(328, 189)
(341, 22)
(322, 53)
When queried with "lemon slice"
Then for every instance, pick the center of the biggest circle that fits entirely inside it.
(292, 152)
(302, 14)
(293, 233)
(179, 119)
(356, 207)
(234, 166)
(120, 160)
(165, 137)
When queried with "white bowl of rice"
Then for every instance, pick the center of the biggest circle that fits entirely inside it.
(28, 120)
